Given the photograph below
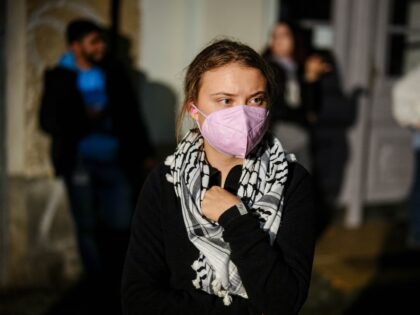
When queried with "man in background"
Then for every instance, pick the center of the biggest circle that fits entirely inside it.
(99, 147)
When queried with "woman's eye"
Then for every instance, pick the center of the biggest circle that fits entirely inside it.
(225, 101)
(257, 100)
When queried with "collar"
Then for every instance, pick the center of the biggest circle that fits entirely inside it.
(232, 179)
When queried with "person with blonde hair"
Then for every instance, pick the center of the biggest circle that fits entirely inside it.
(226, 224)
(406, 110)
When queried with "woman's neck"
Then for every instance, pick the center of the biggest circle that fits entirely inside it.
(222, 162)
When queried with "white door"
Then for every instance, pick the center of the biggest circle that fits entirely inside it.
(397, 51)
(375, 41)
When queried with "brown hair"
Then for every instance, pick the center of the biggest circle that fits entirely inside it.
(299, 49)
(218, 54)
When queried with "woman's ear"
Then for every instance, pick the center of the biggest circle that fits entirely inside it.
(192, 110)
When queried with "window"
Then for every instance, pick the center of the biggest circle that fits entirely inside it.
(403, 37)
(315, 19)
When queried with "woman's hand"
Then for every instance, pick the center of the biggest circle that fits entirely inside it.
(315, 67)
(216, 201)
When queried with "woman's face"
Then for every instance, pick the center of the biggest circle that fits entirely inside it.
(282, 42)
(230, 85)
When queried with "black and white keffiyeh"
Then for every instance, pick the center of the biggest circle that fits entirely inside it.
(264, 173)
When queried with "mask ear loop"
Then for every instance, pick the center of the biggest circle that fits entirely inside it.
(196, 110)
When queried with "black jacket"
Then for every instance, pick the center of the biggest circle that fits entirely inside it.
(309, 95)
(157, 277)
(64, 117)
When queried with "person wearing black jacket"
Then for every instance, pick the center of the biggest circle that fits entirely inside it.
(99, 145)
(226, 225)
(298, 100)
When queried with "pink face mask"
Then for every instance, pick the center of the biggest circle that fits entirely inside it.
(235, 130)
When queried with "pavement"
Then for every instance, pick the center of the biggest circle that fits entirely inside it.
(367, 270)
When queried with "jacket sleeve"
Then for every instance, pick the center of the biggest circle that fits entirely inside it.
(146, 287)
(134, 120)
(311, 96)
(405, 106)
(276, 277)
(48, 118)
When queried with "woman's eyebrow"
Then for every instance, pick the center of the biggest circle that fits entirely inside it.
(258, 93)
(231, 94)
(223, 93)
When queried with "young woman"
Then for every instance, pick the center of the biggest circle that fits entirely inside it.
(226, 224)
(295, 110)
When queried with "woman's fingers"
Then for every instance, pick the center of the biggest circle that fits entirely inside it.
(216, 201)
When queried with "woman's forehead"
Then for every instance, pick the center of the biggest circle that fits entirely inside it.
(233, 78)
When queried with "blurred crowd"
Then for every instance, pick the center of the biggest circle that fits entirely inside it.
(312, 113)
(101, 148)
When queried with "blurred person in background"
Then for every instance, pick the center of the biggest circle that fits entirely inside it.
(226, 224)
(298, 100)
(99, 147)
(298, 103)
(329, 146)
(406, 110)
